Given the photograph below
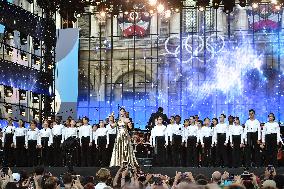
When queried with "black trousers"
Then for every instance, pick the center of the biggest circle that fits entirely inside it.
(236, 154)
(206, 156)
(45, 151)
(102, 151)
(191, 152)
(85, 152)
(169, 152)
(32, 153)
(213, 156)
(252, 150)
(221, 156)
(94, 155)
(271, 148)
(177, 150)
(160, 154)
(57, 151)
(8, 150)
(112, 138)
(20, 151)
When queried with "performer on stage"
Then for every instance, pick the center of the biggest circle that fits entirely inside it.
(111, 129)
(8, 133)
(190, 140)
(32, 144)
(236, 135)
(102, 142)
(214, 148)
(169, 139)
(45, 142)
(57, 131)
(253, 140)
(177, 141)
(19, 143)
(85, 136)
(158, 141)
(95, 151)
(220, 133)
(206, 133)
(271, 139)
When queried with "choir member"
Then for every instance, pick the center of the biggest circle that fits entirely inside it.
(169, 139)
(236, 136)
(253, 140)
(220, 133)
(32, 143)
(8, 133)
(85, 136)
(228, 142)
(19, 143)
(102, 142)
(158, 141)
(71, 133)
(111, 129)
(94, 153)
(199, 144)
(177, 141)
(57, 132)
(190, 140)
(206, 133)
(45, 142)
(271, 139)
(213, 149)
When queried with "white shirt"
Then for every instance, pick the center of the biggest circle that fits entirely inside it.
(46, 133)
(157, 131)
(235, 130)
(110, 130)
(271, 128)
(252, 126)
(101, 132)
(69, 132)
(19, 132)
(10, 129)
(169, 133)
(189, 131)
(205, 132)
(57, 130)
(85, 131)
(32, 135)
(100, 185)
(220, 128)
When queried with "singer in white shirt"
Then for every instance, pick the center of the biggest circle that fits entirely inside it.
(45, 140)
(271, 138)
(190, 139)
(206, 133)
(19, 139)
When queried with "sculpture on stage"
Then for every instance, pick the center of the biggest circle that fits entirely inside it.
(123, 149)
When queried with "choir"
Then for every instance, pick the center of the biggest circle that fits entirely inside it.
(194, 143)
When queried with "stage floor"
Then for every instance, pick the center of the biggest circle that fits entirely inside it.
(170, 171)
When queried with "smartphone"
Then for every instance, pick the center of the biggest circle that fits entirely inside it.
(270, 168)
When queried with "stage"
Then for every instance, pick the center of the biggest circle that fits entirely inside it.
(170, 171)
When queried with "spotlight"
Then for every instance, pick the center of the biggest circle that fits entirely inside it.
(35, 98)
(8, 91)
(9, 51)
(22, 95)
(152, 2)
(160, 8)
(23, 39)
(8, 108)
(216, 4)
(103, 14)
(50, 66)
(24, 57)
(177, 10)
(37, 60)
(254, 5)
(168, 14)
(243, 3)
(22, 111)
(151, 11)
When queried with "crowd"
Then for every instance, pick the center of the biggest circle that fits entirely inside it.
(193, 143)
(134, 178)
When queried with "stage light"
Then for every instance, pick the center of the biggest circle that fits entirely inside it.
(37, 60)
(50, 66)
(22, 112)
(103, 14)
(242, 3)
(9, 51)
(23, 39)
(35, 114)
(151, 11)
(24, 57)
(8, 91)
(168, 14)
(254, 5)
(8, 108)
(152, 2)
(35, 98)
(22, 95)
(216, 4)
(160, 8)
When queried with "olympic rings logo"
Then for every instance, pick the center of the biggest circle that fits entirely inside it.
(202, 48)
